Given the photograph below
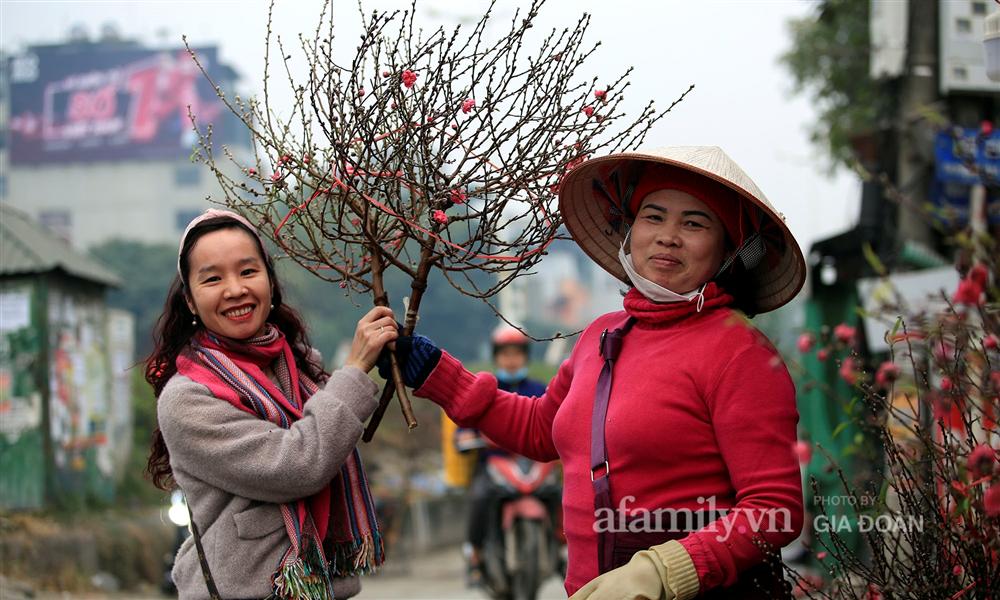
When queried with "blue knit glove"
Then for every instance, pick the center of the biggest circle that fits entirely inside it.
(417, 357)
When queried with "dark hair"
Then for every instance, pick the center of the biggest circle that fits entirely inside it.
(174, 330)
(737, 282)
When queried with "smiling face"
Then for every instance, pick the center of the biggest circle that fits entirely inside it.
(230, 290)
(676, 241)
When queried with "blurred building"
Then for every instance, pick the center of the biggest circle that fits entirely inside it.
(96, 141)
(65, 394)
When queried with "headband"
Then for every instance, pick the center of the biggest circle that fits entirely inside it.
(215, 213)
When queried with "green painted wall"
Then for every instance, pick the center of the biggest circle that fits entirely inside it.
(22, 394)
(824, 401)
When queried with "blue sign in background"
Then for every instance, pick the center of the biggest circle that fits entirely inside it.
(953, 179)
(953, 203)
(952, 153)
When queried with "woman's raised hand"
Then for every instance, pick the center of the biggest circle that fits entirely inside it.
(374, 331)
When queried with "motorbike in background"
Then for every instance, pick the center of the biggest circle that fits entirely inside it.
(522, 546)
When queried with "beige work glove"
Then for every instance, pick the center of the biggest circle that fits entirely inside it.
(663, 572)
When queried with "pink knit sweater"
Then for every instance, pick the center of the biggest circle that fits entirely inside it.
(702, 407)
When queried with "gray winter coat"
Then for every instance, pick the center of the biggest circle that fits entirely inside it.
(236, 469)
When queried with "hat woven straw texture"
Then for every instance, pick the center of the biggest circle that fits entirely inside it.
(778, 278)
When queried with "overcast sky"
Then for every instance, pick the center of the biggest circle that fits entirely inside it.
(742, 101)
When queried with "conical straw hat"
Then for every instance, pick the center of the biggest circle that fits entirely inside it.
(599, 228)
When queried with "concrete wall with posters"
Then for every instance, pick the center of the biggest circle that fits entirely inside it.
(121, 355)
(83, 424)
(65, 399)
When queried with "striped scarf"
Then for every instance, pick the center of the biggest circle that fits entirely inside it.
(343, 513)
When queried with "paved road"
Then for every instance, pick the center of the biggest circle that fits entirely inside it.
(432, 577)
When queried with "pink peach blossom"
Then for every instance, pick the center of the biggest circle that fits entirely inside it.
(886, 374)
(990, 342)
(806, 342)
(409, 78)
(982, 461)
(844, 333)
(980, 274)
(991, 500)
(802, 451)
(969, 293)
(848, 370)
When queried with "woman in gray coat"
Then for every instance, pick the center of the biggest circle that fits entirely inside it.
(260, 439)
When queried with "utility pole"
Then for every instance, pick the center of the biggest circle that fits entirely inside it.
(919, 91)
(915, 158)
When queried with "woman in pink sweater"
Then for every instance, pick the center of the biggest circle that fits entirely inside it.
(674, 418)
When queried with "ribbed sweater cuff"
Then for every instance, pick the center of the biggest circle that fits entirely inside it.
(682, 577)
(448, 384)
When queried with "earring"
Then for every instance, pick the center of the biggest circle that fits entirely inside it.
(194, 319)
(272, 306)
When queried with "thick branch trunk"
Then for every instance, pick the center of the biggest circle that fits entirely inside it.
(396, 381)
(418, 285)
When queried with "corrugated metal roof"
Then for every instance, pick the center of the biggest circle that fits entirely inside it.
(27, 248)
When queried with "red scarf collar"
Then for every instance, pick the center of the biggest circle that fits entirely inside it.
(253, 356)
(260, 350)
(659, 314)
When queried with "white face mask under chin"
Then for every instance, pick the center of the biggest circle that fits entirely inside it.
(654, 291)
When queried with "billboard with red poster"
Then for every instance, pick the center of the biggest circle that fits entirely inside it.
(98, 102)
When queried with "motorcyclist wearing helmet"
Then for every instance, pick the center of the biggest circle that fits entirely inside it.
(511, 351)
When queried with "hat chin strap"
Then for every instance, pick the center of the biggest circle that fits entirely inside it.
(655, 291)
